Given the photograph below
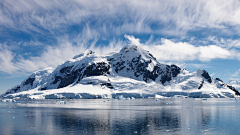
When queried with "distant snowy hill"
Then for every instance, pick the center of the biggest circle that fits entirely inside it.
(131, 72)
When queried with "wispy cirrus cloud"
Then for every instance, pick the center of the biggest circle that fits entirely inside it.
(6, 58)
(223, 42)
(236, 73)
(159, 17)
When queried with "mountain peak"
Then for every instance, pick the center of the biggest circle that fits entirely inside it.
(204, 74)
(87, 52)
(129, 48)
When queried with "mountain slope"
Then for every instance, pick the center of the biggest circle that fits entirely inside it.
(131, 70)
(235, 83)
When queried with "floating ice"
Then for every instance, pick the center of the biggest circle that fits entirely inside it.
(180, 96)
(61, 102)
(120, 97)
(8, 100)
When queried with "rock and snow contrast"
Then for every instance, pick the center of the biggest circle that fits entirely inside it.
(131, 72)
(235, 83)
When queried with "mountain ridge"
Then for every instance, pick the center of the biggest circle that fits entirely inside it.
(131, 62)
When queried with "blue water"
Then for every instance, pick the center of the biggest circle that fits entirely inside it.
(139, 116)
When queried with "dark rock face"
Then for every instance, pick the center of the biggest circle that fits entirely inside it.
(29, 81)
(119, 66)
(16, 89)
(201, 85)
(109, 85)
(66, 70)
(152, 56)
(45, 88)
(166, 76)
(96, 69)
(139, 68)
(219, 79)
(70, 75)
(230, 87)
(8, 92)
(206, 76)
(151, 75)
(233, 89)
(57, 78)
(171, 71)
(69, 79)
(175, 70)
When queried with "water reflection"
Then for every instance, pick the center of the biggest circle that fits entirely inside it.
(142, 116)
(116, 121)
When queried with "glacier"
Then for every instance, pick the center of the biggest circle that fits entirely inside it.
(130, 73)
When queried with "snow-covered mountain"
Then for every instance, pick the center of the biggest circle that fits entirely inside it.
(130, 72)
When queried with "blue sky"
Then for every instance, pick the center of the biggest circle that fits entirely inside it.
(191, 34)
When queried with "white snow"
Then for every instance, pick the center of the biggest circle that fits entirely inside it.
(151, 66)
(126, 87)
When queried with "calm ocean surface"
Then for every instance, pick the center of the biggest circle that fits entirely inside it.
(139, 116)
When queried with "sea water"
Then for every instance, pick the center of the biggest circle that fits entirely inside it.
(111, 116)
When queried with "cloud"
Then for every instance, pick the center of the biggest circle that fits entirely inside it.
(120, 17)
(168, 50)
(6, 60)
(210, 52)
(182, 51)
(213, 74)
(236, 73)
(132, 39)
(223, 42)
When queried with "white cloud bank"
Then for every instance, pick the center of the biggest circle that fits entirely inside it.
(182, 51)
